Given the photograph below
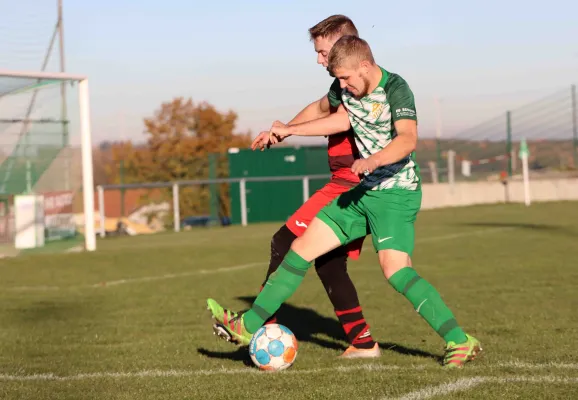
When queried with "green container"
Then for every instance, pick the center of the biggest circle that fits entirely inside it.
(274, 201)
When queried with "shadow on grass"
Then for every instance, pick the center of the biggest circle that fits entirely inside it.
(47, 311)
(241, 354)
(522, 225)
(307, 324)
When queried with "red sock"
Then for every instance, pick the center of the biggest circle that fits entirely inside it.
(355, 327)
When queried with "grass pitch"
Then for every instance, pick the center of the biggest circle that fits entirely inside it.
(129, 321)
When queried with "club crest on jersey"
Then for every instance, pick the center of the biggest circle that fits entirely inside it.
(376, 110)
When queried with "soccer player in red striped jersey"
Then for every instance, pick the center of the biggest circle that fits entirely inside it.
(331, 267)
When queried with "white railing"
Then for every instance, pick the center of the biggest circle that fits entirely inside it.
(176, 190)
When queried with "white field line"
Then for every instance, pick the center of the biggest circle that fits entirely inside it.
(463, 234)
(153, 373)
(224, 269)
(172, 276)
(142, 279)
(445, 388)
(464, 384)
(229, 269)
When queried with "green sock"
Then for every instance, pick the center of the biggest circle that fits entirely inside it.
(279, 287)
(428, 303)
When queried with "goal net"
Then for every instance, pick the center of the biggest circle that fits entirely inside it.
(45, 158)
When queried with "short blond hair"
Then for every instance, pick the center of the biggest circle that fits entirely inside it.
(349, 50)
(335, 25)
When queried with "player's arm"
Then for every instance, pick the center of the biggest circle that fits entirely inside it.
(318, 109)
(401, 146)
(332, 124)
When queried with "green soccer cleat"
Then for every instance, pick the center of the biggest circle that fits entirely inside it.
(229, 324)
(457, 355)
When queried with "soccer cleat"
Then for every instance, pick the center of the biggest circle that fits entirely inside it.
(354, 352)
(220, 314)
(457, 355)
(229, 324)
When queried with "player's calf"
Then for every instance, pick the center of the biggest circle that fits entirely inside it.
(280, 245)
(332, 271)
(428, 303)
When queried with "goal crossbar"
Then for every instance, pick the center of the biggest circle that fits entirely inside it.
(58, 76)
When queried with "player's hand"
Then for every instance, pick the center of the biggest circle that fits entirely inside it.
(279, 132)
(261, 141)
(364, 166)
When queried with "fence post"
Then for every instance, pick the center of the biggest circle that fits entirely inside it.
(439, 159)
(28, 177)
(575, 126)
(102, 217)
(451, 167)
(67, 173)
(213, 188)
(509, 140)
(176, 209)
(514, 159)
(305, 189)
(438, 140)
(122, 189)
(433, 167)
(243, 195)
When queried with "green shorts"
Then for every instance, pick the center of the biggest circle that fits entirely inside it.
(389, 216)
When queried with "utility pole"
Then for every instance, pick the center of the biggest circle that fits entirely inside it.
(122, 180)
(574, 126)
(438, 136)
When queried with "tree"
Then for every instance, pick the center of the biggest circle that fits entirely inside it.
(180, 137)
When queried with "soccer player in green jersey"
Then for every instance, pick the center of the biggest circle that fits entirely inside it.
(379, 106)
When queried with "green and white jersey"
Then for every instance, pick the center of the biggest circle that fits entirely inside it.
(372, 119)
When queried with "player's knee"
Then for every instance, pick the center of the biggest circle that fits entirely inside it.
(298, 245)
(281, 242)
(392, 261)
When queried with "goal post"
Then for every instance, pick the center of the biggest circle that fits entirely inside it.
(15, 132)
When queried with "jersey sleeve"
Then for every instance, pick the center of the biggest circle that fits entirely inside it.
(334, 94)
(401, 99)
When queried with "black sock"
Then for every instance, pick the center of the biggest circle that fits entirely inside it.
(332, 270)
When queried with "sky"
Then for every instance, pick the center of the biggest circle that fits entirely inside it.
(254, 57)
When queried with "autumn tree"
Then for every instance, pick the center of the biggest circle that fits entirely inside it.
(180, 137)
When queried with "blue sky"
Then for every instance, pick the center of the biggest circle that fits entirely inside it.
(254, 57)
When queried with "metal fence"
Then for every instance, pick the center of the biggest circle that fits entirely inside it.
(489, 148)
(178, 185)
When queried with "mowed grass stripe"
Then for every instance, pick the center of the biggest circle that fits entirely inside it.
(370, 367)
(105, 284)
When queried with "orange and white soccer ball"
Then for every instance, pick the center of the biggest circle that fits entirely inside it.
(273, 347)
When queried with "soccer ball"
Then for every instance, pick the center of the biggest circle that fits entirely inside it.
(273, 347)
